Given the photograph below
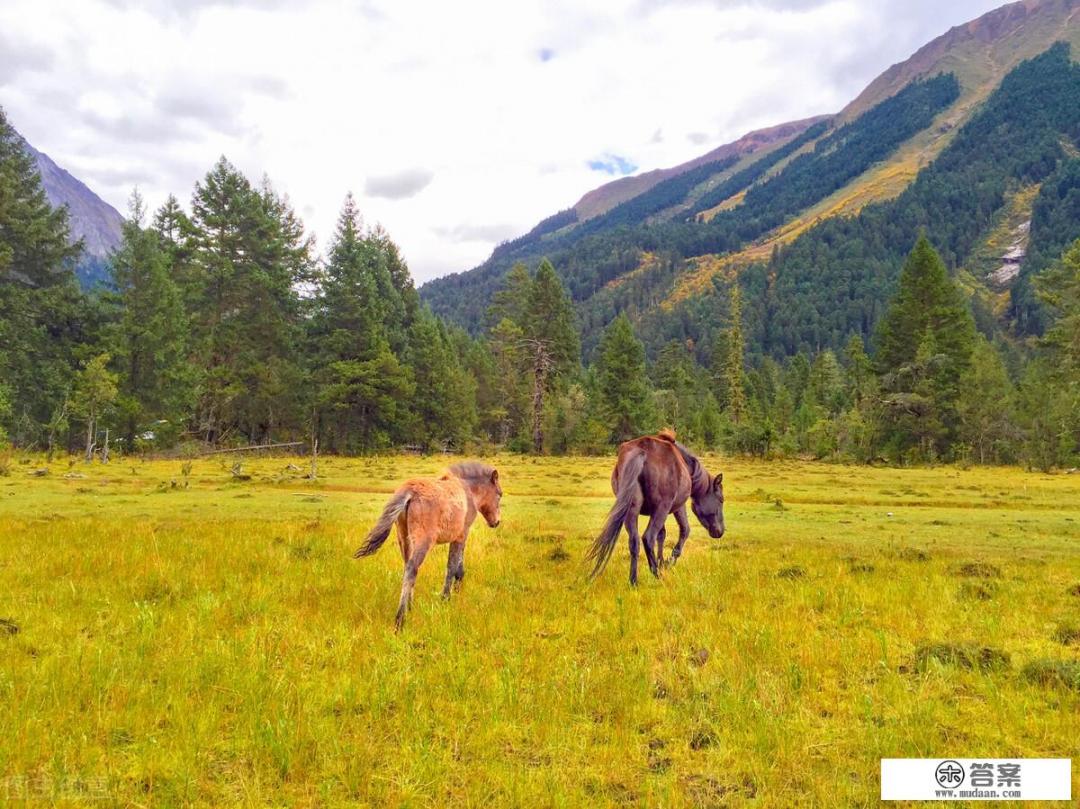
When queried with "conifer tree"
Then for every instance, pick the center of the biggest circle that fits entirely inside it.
(150, 337)
(45, 322)
(734, 369)
(924, 343)
(250, 255)
(363, 388)
(622, 384)
(1059, 288)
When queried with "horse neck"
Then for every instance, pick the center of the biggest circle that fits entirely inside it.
(699, 478)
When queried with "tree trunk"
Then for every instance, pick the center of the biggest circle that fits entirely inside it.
(89, 437)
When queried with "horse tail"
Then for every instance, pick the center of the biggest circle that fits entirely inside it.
(377, 536)
(604, 545)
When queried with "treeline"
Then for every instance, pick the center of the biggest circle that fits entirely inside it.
(222, 326)
(219, 326)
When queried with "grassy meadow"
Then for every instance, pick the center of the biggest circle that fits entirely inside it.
(174, 639)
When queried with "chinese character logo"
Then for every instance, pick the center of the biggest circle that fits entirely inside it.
(949, 774)
(982, 775)
(1008, 775)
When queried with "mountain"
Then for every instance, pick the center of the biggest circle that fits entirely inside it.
(908, 153)
(603, 199)
(92, 219)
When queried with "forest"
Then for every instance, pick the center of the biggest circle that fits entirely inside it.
(221, 326)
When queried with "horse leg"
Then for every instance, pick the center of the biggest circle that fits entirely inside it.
(635, 543)
(684, 532)
(408, 581)
(652, 530)
(403, 537)
(454, 564)
(660, 545)
(459, 574)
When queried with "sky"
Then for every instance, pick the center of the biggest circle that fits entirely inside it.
(455, 125)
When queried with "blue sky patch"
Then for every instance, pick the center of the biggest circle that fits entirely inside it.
(613, 164)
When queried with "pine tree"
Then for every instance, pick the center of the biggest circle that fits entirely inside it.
(250, 256)
(550, 319)
(734, 366)
(1059, 288)
(150, 339)
(362, 387)
(925, 341)
(444, 406)
(860, 372)
(622, 384)
(34, 248)
(987, 423)
(45, 322)
(826, 385)
(540, 310)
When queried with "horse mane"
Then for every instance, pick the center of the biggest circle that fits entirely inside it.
(668, 434)
(699, 478)
(471, 471)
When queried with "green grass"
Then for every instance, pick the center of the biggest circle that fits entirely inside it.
(170, 640)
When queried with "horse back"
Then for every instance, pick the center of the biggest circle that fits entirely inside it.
(664, 478)
(440, 509)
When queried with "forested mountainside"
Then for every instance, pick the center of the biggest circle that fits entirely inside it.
(906, 154)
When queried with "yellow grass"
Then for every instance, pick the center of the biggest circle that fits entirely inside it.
(173, 640)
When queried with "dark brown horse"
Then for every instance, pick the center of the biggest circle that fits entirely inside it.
(655, 475)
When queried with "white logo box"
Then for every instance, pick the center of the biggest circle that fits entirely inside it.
(916, 779)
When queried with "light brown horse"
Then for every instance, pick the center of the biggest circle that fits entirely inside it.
(655, 475)
(433, 511)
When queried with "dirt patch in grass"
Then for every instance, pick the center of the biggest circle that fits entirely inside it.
(964, 656)
(559, 554)
(913, 555)
(978, 570)
(1074, 590)
(8, 627)
(793, 572)
(861, 567)
(702, 738)
(1054, 673)
(705, 790)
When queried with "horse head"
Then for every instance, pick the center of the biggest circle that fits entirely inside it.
(707, 504)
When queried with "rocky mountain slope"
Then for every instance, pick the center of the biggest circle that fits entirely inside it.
(92, 219)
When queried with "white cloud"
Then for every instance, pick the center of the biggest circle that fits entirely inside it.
(501, 105)
(399, 185)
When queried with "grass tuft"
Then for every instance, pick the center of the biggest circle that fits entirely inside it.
(1067, 634)
(791, 572)
(978, 590)
(1054, 673)
(978, 570)
(965, 656)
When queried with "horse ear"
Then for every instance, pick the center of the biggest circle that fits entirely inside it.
(719, 480)
(494, 476)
